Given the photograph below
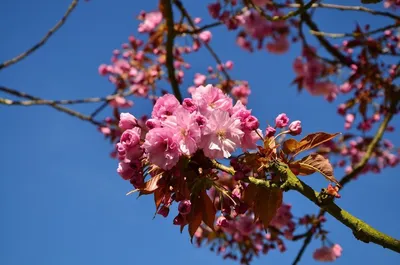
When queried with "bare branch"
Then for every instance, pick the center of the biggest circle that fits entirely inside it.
(353, 34)
(53, 105)
(300, 9)
(350, 8)
(361, 230)
(43, 40)
(306, 242)
(106, 99)
(208, 47)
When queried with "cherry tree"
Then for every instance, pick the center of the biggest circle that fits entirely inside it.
(206, 154)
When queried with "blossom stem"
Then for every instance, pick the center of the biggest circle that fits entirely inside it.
(222, 167)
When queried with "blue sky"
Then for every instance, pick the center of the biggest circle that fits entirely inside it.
(62, 200)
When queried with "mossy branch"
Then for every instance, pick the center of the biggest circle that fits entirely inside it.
(361, 230)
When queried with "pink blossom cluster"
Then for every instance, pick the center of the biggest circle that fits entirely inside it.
(240, 90)
(328, 253)
(254, 27)
(206, 121)
(258, 28)
(355, 151)
(309, 70)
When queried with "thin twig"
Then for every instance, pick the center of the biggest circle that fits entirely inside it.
(43, 40)
(368, 153)
(306, 242)
(299, 11)
(353, 34)
(199, 30)
(169, 17)
(106, 99)
(53, 105)
(208, 46)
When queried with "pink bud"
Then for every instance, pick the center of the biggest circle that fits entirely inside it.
(184, 207)
(205, 36)
(270, 131)
(222, 222)
(295, 128)
(281, 120)
(127, 121)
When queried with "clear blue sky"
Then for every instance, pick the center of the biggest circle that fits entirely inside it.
(62, 201)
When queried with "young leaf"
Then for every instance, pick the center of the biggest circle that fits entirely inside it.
(289, 146)
(299, 169)
(195, 216)
(313, 140)
(208, 210)
(316, 162)
(249, 194)
(151, 185)
(267, 204)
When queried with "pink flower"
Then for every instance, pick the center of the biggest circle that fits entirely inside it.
(281, 120)
(214, 9)
(270, 131)
(125, 170)
(245, 225)
(205, 36)
(328, 253)
(103, 70)
(184, 207)
(165, 106)
(187, 131)
(295, 128)
(129, 146)
(222, 222)
(189, 105)
(199, 79)
(250, 139)
(229, 65)
(162, 147)
(221, 135)
(127, 121)
(322, 88)
(210, 98)
(121, 102)
(279, 46)
(151, 20)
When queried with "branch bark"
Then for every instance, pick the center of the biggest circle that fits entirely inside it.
(43, 41)
(169, 17)
(361, 230)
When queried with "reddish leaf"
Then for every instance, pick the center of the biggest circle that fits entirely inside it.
(158, 196)
(249, 194)
(316, 162)
(313, 140)
(299, 169)
(289, 146)
(267, 204)
(208, 210)
(196, 215)
(151, 185)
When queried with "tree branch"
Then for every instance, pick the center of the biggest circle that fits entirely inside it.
(6, 101)
(306, 242)
(353, 34)
(300, 10)
(208, 47)
(43, 40)
(350, 8)
(378, 136)
(53, 105)
(169, 17)
(361, 230)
